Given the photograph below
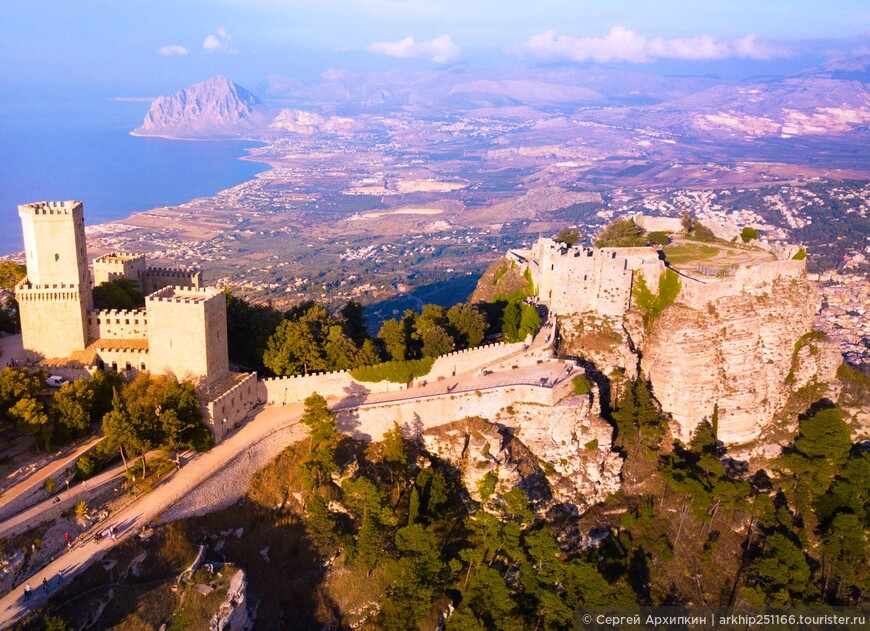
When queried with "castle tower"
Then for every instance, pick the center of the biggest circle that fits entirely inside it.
(187, 332)
(55, 296)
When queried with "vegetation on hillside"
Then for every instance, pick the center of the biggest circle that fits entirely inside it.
(621, 233)
(653, 304)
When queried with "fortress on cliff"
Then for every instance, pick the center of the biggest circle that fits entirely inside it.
(181, 331)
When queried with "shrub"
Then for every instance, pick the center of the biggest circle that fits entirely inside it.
(49, 485)
(748, 234)
(800, 255)
(81, 509)
(581, 385)
(486, 485)
(86, 467)
(592, 445)
(658, 238)
(394, 371)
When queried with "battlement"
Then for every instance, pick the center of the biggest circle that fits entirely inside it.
(181, 272)
(25, 291)
(119, 257)
(51, 208)
(116, 314)
(183, 295)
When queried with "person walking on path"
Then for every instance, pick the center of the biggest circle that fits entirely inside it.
(27, 592)
(60, 576)
(45, 584)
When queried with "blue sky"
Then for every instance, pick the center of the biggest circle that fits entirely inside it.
(133, 47)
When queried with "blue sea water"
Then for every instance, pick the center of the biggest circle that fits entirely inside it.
(56, 150)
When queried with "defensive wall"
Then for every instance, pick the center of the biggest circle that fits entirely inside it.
(117, 323)
(232, 406)
(232, 480)
(697, 291)
(52, 318)
(469, 360)
(187, 332)
(573, 280)
(370, 422)
(156, 278)
(287, 390)
(116, 265)
(658, 224)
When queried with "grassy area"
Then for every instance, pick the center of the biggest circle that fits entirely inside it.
(691, 252)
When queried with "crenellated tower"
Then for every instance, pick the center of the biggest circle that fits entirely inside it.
(55, 296)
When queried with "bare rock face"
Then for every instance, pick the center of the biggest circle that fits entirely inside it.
(214, 108)
(560, 456)
(233, 612)
(742, 355)
(606, 341)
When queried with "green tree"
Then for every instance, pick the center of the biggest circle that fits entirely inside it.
(468, 324)
(121, 293)
(748, 234)
(18, 383)
(369, 543)
(568, 236)
(103, 384)
(354, 322)
(56, 623)
(122, 434)
(249, 327)
(621, 233)
(782, 573)
(293, 350)
(323, 433)
(72, 404)
(510, 324)
(30, 417)
(530, 321)
(392, 337)
(341, 353)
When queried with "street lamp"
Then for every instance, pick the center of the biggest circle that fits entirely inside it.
(67, 489)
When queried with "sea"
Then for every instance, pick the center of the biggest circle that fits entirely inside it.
(55, 149)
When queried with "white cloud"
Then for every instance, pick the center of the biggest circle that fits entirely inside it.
(219, 43)
(440, 50)
(622, 44)
(172, 49)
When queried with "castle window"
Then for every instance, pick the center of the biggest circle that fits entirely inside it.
(129, 366)
(56, 256)
(127, 321)
(552, 267)
(142, 365)
(115, 366)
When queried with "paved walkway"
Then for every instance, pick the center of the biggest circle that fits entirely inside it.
(19, 496)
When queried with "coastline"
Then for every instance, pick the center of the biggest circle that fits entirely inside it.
(128, 221)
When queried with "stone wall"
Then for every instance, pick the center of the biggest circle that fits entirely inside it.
(110, 267)
(371, 421)
(117, 324)
(156, 278)
(187, 332)
(232, 406)
(469, 360)
(338, 384)
(576, 280)
(698, 292)
(658, 224)
(52, 319)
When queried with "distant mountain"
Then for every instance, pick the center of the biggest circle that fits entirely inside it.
(214, 108)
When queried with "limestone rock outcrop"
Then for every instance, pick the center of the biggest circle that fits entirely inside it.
(213, 108)
(558, 455)
(742, 354)
(233, 612)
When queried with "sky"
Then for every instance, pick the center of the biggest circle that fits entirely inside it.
(141, 48)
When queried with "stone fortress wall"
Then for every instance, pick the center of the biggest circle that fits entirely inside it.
(156, 278)
(233, 405)
(187, 332)
(117, 324)
(182, 330)
(698, 291)
(573, 280)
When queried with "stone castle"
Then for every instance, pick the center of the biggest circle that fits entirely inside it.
(182, 330)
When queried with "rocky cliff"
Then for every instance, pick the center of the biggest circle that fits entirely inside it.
(742, 356)
(560, 456)
(214, 108)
